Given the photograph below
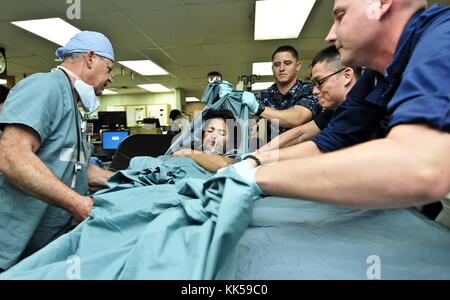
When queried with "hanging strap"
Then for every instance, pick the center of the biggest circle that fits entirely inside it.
(77, 167)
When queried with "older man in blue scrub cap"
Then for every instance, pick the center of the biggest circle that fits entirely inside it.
(45, 173)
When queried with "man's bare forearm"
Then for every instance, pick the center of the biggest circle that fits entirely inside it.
(283, 140)
(24, 169)
(386, 173)
(27, 172)
(288, 118)
(292, 137)
(295, 152)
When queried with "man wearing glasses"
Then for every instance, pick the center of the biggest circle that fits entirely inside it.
(405, 48)
(44, 158)
(332, 81)
(289, 102)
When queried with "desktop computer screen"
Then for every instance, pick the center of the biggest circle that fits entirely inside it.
(112, 138)
(112, 119)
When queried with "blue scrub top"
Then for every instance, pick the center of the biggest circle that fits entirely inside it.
(44, 103)
(415, 88)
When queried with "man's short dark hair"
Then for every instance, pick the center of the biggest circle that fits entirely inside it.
(331, 56)
(286, 48)
(173, 115)
(3, 93)
(214, 73)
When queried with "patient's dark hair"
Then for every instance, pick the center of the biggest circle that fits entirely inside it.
(224, 114)
(3, 93)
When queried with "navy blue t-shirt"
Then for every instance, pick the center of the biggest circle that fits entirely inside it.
(415, 88)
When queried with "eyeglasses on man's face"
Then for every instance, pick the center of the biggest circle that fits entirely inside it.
(110, 68)
(319, 82)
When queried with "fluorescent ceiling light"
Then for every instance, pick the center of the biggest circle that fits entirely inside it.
(108, 92)
(192, 99)
(144, 67)
(154, 88)
(3, 81)
(262, 68)
(259, 86)
(55, 30)
(269, 25)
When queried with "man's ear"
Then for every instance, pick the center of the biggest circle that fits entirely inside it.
(299, 65)
(89, 59)
(385, 6)
(377, 9)
(348, 75)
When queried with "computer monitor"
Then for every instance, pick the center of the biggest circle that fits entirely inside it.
(111, 139)
(112, 119)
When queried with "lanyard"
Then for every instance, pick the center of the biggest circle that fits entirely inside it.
(77, 127)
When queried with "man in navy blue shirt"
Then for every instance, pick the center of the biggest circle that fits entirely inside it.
(332, 81)
(289, 102)
(393, 129)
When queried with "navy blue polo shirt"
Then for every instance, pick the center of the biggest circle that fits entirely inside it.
(415, 88)
(323, 118)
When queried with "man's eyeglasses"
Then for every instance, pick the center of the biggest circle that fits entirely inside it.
(110, 69)
(318, 83)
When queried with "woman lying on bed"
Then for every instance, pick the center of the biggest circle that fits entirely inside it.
(212, 154)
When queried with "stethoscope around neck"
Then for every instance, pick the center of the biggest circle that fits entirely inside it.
(77, 167)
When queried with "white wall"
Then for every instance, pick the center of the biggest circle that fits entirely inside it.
(138, 99)
(192, 109)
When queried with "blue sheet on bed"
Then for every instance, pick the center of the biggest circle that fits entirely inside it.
(156, 223)
(294, 239)
(167, 218)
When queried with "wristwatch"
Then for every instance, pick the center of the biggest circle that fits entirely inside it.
(261, 109)
(258, 162)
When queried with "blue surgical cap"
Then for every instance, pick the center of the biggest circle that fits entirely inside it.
(85, 41)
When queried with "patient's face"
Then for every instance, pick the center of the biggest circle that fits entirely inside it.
(215, 136)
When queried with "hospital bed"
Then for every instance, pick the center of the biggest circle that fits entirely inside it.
(295, 239)
(167, 218)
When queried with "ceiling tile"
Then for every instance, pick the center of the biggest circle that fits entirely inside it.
(223, 22)
(166, 27)
(138, 4)
(190, 56)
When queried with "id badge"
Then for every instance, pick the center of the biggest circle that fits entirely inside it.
(77, 169)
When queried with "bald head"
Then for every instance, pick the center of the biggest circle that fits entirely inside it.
(383, 22)
(386, 9)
